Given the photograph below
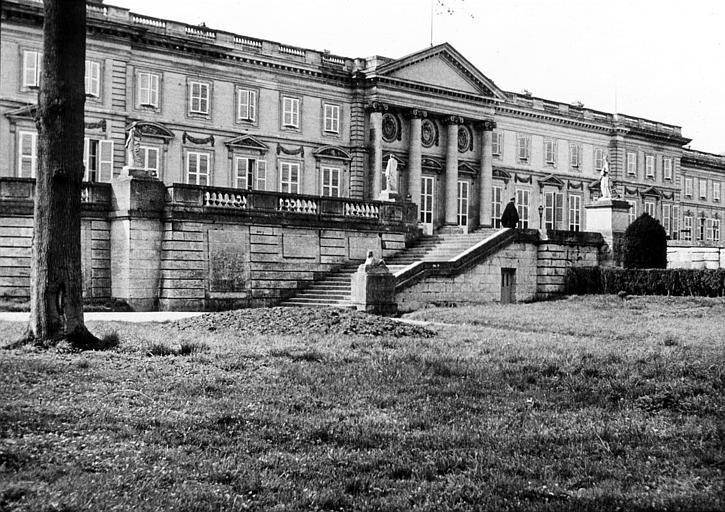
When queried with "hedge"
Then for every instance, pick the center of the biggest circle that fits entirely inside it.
(675, 281)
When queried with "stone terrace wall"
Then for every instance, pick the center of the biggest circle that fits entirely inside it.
(559, 251)
(680, 256)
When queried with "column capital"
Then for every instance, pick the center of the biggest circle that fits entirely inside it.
(377, 106)
(487, 125)
(449, 120)
(417, 113)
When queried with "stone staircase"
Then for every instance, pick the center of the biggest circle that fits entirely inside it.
(334, 290)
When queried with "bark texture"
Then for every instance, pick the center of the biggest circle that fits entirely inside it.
(56, 278)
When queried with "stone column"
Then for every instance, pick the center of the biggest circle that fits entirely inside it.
(376, 135)
(451, 218)
(415, 169)
(486, 178)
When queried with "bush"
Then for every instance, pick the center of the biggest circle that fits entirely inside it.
(675, 281)
(645, 244)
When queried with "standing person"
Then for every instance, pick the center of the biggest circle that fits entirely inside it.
(510, 217)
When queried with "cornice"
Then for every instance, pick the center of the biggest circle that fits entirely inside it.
(518, 112)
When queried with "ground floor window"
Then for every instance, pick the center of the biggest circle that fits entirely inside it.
(197, 168)
(98, 160)
(289, 177)
(632, 210)
(27, 154)
(687, 228)
(150, 160)
(331, 177)
(523, 198)
(426, 199)
(715, 230)
(496, 205)
(649, 208)
(553, 209)
(575, 212)
(463, 195)
(250, 173)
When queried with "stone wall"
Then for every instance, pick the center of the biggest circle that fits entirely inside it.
(695, 257)
(561, 250)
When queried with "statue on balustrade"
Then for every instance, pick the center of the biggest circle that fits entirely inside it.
(133, 147)
(605, 182)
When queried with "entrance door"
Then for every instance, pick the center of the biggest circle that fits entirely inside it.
(463, 194)
(508, 285)
(427, 198)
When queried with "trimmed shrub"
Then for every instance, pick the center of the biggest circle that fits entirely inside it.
(675, 281)
(645, 244)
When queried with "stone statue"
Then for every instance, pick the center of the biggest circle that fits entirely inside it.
(133, 147)
(374, 264)
(605, 183)
(391, 175)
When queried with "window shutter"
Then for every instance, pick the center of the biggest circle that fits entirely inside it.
(85, 159)
(240, 172)
(31, 69)
(105, 165)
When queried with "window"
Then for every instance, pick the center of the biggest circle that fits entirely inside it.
(631, 162)
(524, 148)
(716, 191)
(496, 205)
(27, 154)
(522, 205)
(148, 89)
(649, 208)
(575, 151)
(98, 160)
(703, 188)
(667, 168)
(675, 222)
(632, 210)
(550, 151)
(715, 230)
(666, 218)
(250, 173)
(598, 159)
(150, 160)
(289, 177)
(246, 105)
(332, 118)
(331, 181)
(463, 195)
(701, 231)
(197, 168)
(31, 68)
(198, 98)
(687, 227)
(649, 166)
(553, 209)
(496, 144)
(290, 112)
(708, 229)
(575, 209)
(93, 78)
(688, 187)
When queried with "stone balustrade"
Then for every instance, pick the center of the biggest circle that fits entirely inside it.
(21, 191)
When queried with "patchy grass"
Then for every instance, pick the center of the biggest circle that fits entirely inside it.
(580, 404)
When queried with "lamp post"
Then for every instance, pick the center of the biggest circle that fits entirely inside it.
(541, 214)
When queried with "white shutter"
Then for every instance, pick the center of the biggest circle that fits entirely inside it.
(105, 160)
(85, 159)
(31, 69)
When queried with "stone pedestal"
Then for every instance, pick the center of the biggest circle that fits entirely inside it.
(136, 234)
(610, 217)
(373, 290)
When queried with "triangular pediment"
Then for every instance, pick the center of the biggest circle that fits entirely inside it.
(441, 66)
(651, 192)
(247, 142)
(466, 168)
(501, 175)
(551, 181)
(25, 112)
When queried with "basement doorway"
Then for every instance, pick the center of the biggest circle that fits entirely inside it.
(508, 285)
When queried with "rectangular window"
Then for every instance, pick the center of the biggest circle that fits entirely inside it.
(250, 173)
(703, 188)
(666, 219)
(667, 168)
(649, 166)
(289, 177)
(246, 105)
(496, 205)
(197, 168)
(497, 144)
(522, 205)
(649, 208)
(550, 151)
(27, 154)
(598, 159)
(290, 112)
(150, 160)
(688, 187)
(98, 160)
(631, 163)
(148, 89)
(574, 155)
(524, 148)
(715, 230)
(331, 181)
(553, 209)
(701, 230)
(716, 191)
(93, 78)
(332, 118)
(687, 228)
(632, 210)
(463, 194)
(675, 222)
(31, 68)
(198, 98)
(575, 212)
(708, 229)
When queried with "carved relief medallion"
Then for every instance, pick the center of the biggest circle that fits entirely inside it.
(391, 128)
(428, 133)
(464, 139)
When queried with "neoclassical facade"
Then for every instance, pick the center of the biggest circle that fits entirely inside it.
(223, 110)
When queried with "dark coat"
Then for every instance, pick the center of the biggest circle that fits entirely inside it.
(510, 217)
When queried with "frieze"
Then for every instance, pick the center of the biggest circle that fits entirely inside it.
(97, 125)
(299, 151)
(197, 140)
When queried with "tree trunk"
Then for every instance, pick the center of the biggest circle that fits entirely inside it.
(56, 279)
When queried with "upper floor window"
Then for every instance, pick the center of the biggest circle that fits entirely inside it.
(148, 89)
(716, 191)
(27, 154)
(246, 105)
(649, 166)
(198, 98)
(631, 162)
(290, 112)
(32, 61)
(331, 117)
(93, 78)
(575, 153)
(331, 181)
(703, 188)
(497, 144)
(524, 148)
(250, 173)
(598, 159)
(688, 187)
(667, 168)
(550, 151)
(98, 160)
(289, 177)
(197, 168)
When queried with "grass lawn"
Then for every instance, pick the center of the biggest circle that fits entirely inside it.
(581, 404)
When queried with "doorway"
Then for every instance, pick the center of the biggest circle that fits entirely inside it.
(508, 285)
(427, 198)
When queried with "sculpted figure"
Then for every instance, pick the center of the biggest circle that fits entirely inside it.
(133, 147)
(605, 183)
(391, 175)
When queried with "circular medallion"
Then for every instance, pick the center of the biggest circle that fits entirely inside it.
(391, 129)
(464, 139)
(427, 133)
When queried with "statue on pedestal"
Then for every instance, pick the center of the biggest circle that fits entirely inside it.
(605, 183)
(133, 147)
(391, 179)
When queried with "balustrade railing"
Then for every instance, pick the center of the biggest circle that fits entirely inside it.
(22, 190)
(148, 21)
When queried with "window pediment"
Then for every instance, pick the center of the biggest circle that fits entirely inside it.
(151, 129)
(551, 181)
(247, 142)
(332, 153)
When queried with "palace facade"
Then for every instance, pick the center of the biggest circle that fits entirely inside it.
(227, 111)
